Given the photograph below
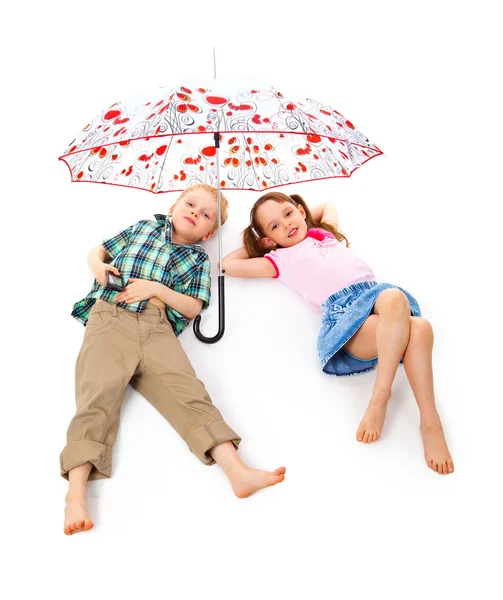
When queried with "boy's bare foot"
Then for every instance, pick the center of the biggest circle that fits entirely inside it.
(246, 481)
(372, 423)
(76, 515)
(436, 452)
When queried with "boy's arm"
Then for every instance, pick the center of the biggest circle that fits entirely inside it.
(144, 289)
(97, 260)
(189, 303)
(188, 306)
(97, 255)
(325, 213)
(239, 264)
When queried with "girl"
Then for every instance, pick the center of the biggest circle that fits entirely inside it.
(363, 322)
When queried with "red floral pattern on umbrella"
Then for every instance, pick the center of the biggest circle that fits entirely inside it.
(164, 142)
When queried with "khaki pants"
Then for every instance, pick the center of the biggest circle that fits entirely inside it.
(122, 347)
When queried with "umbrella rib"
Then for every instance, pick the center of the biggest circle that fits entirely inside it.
(246, 145)
(164, 162)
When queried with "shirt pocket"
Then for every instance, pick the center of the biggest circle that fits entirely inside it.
(183, 271)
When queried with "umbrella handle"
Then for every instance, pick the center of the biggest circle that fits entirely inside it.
(221, 317)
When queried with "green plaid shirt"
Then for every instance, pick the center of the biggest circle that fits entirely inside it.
(145, 251)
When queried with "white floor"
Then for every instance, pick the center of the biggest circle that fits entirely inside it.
(350, 521)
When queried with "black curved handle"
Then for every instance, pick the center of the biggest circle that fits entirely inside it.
(221, 317)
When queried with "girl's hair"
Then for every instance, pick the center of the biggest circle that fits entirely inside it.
(224, 204)
(253, 234)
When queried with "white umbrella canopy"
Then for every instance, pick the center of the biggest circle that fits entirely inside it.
(163, 140)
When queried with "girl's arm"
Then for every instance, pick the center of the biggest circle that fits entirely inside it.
(239, 264)
(325, 212)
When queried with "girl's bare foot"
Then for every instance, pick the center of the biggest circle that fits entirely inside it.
(372, 423)
(436, 452)
(76, 515)
(246, 481)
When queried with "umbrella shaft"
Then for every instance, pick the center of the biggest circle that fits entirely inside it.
(217, 144)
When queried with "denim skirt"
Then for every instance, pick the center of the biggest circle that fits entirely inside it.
(343, 313)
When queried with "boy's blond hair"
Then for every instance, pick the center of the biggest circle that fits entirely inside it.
(224, 204)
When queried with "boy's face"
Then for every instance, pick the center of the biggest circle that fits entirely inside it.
(194, 216)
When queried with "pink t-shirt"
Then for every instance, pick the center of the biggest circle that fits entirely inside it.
(318, 267)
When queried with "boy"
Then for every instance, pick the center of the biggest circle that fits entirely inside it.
(131, 337)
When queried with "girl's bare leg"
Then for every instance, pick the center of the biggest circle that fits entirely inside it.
(244, 480)
(391, 329)
(418, 366)
(76, 515)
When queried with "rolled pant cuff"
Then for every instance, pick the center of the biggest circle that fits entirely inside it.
(76, 454)
(210, 435)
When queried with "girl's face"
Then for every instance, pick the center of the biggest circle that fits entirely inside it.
(284, 224)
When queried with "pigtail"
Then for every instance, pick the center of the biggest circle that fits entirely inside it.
(332, 228)
(253, 243)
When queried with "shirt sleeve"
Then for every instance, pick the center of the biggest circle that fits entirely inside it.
(116, 244)
(200, 284)
(274, 258)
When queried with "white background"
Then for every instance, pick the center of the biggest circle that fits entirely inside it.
(350, 521)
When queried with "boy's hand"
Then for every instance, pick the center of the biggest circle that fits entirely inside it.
(137, 290)
(100, 272)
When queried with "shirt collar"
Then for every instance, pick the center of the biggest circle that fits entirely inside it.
(318, 234)
(168, 234)
(168, 226)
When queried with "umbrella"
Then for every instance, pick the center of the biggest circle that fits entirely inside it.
(230, 135)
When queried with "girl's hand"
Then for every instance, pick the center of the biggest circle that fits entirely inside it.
(137, 290)
(100, 272)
